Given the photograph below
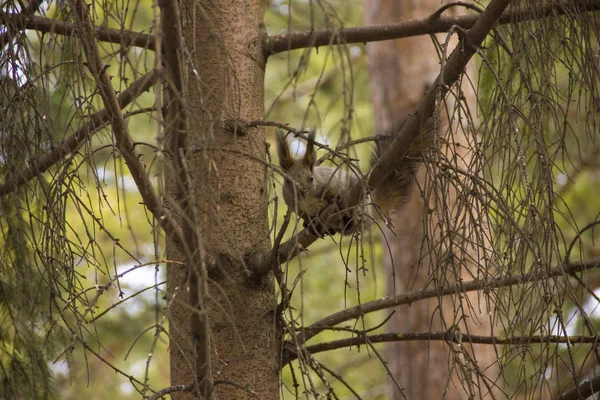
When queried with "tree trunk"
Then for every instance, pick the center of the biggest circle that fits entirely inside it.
(401, 72)
(223, 208)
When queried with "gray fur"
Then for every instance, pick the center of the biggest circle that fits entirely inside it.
(310, 189)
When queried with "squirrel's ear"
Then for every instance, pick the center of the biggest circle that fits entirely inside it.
(310, 156)
(283, 151)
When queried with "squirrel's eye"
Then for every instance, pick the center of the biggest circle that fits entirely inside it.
(311, 179)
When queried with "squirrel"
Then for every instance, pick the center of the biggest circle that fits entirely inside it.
(312, 190)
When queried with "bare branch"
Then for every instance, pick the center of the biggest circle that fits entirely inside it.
(449, 74)
(449, 336)
(96, 121)
(265, 263)
(416, 295)
(583, 391)
(298, 40)
(42, 24)
(171, 389)
(123, 139)
(432, 24)
(12, 30)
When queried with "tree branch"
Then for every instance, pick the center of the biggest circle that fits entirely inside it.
(12, 30)
(449, 336)
(124, 142)
(583, 391)
(297, 40)
(416, 295)
(70, 144)
(432, 24)
(172, 389)
(451, 71)
(50, 25)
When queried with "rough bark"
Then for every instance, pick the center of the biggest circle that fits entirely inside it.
(221, 321)
(401, 72)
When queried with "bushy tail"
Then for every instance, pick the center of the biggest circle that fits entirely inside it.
(394, 190)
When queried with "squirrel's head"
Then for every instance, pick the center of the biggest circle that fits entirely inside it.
(300, 173)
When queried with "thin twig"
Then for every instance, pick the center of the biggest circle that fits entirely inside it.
(448, 76)
(12, 30)
(124, 141)
(97, 120)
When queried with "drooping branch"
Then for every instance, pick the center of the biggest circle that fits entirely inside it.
(50, 25)
(432, 24)
(71, 143)
(421, 294)
(124, 142)
(11, 30)
(451, 71)
(449, 336)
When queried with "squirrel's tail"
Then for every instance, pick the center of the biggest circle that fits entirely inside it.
(395, 189)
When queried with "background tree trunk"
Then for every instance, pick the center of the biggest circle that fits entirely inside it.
(228, 214)
(401, 72)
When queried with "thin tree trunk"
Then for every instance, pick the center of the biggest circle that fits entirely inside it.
(221, 321)
(400, 73)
